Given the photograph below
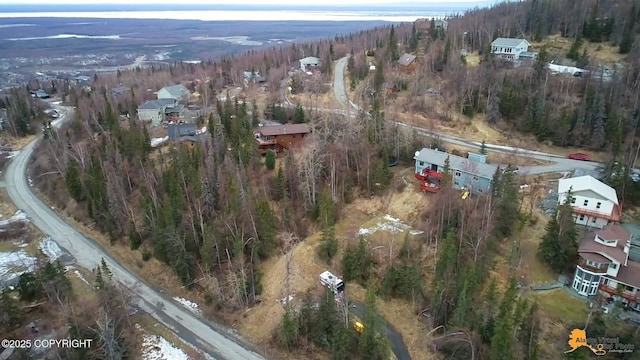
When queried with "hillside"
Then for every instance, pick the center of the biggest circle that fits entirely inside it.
(237, 232)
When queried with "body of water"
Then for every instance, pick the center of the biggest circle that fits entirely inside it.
(239, 15)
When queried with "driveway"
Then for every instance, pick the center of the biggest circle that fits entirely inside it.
(395, 339)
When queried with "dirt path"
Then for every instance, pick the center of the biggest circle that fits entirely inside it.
(395, 338)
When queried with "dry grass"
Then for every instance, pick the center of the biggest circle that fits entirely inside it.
(321, 101)
(7, 208)
(18, 143)
(306, 266)
(602, 53)
(473, 59)
(402, 316)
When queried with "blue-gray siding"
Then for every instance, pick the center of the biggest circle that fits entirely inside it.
(461, 179)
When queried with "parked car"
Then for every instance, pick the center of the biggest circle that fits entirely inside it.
(579, 156)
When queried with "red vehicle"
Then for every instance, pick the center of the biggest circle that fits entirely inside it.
(579, 156)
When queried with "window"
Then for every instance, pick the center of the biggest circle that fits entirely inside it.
(598, 205)
(421, 163)
(593, 220)
(573, 201)
(475, 178)
(581, 217)
(586, 202)
(593, 288)
(613, 266)
(456, 183)
(480, 190)
(458, 173)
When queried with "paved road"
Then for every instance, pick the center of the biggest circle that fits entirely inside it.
(213, 339)
(395, 339)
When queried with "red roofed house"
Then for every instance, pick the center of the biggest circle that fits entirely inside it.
(604, 264)
(279, 137)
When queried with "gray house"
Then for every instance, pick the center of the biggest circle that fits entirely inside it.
(472, 173)
(177, 92)
(154, 110)
(309, 63)
(177, 132)
(120, 91)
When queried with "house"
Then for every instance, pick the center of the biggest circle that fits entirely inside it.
(119, 91)
(594, 203)
(279, 137)
(40, 94)
(308, 63)
(254, 77)
(471, 173)
(441, 24)
(512, 49)
(173, 112)
(407, 62)
(154, 110)
(391, 87)
(177, 92)
(183, 134)
(604, 264)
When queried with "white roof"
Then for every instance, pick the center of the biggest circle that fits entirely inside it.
(508, 42)
(588, 182)
(310, 60)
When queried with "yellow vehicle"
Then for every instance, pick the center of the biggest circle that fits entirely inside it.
(358, 327)
(465, 195)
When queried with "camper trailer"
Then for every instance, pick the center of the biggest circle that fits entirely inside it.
(332, 282)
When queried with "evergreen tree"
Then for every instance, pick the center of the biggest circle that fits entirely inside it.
(393, 53)
(507, 204)
(446, 180)
(10, 312)
(279, 186)
(270, 159)
(73, 181)
(373, 345)
(328, 245)
(559, 244)
(502, 341)
(299, 116)
(414, 40)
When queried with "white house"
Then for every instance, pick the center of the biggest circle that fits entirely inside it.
(604, 265)
(309, 62)
(512, 49)
(177, 92)
(441, 24)
(154, 110)
(595, 204)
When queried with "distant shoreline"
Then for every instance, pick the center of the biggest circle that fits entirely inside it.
(236, 15)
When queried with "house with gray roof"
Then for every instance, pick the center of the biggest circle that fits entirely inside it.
(308, 63)
(177, 92)
(407, 62)
(471, 173)
(154, 111)
(512, 49)
(178, 132)
(120, 91)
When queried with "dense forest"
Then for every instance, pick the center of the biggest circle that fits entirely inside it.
(214, 213)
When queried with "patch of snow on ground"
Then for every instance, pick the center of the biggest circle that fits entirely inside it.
(50, 247)
(286, 299)
(158, 141)
(79, 275)
(11, 154)
(390, 224)
(201, 131)
(158, 348)
(14, 264)
(191, 306)
(18, 216)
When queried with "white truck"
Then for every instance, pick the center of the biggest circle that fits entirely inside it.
(332, 282)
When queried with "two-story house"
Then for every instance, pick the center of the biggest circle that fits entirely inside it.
(279, 137)
(512, 49)
(177, 92)
(154, 111)
(594, 203)
(309, 63)
(604, 265)
(471, 173)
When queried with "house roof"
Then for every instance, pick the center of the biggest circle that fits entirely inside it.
(120, 90)
(273, 130)
(156, 104)
(310, 60)
(589, 245)
(406, 59)
(177, 90)
(175, 131)
(174, 109)
(595, 257)
(588, 183)
(630, 274)
(508, 42)
(437, 157)
(390, 85)
(614, 232)
(191, 138)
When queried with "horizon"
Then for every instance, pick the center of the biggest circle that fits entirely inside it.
(338, 3)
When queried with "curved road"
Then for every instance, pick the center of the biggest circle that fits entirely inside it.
(395, 338)
(560, 163)
(218, 342)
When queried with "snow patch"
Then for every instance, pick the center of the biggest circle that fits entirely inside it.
(14, 264)
(11, 154)
(18, 216)
(158, 348)
(390, 224)
(158, 141)
(201, 131)
(50, 247)
(191, 306)
(286, 299)
(79, 275)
